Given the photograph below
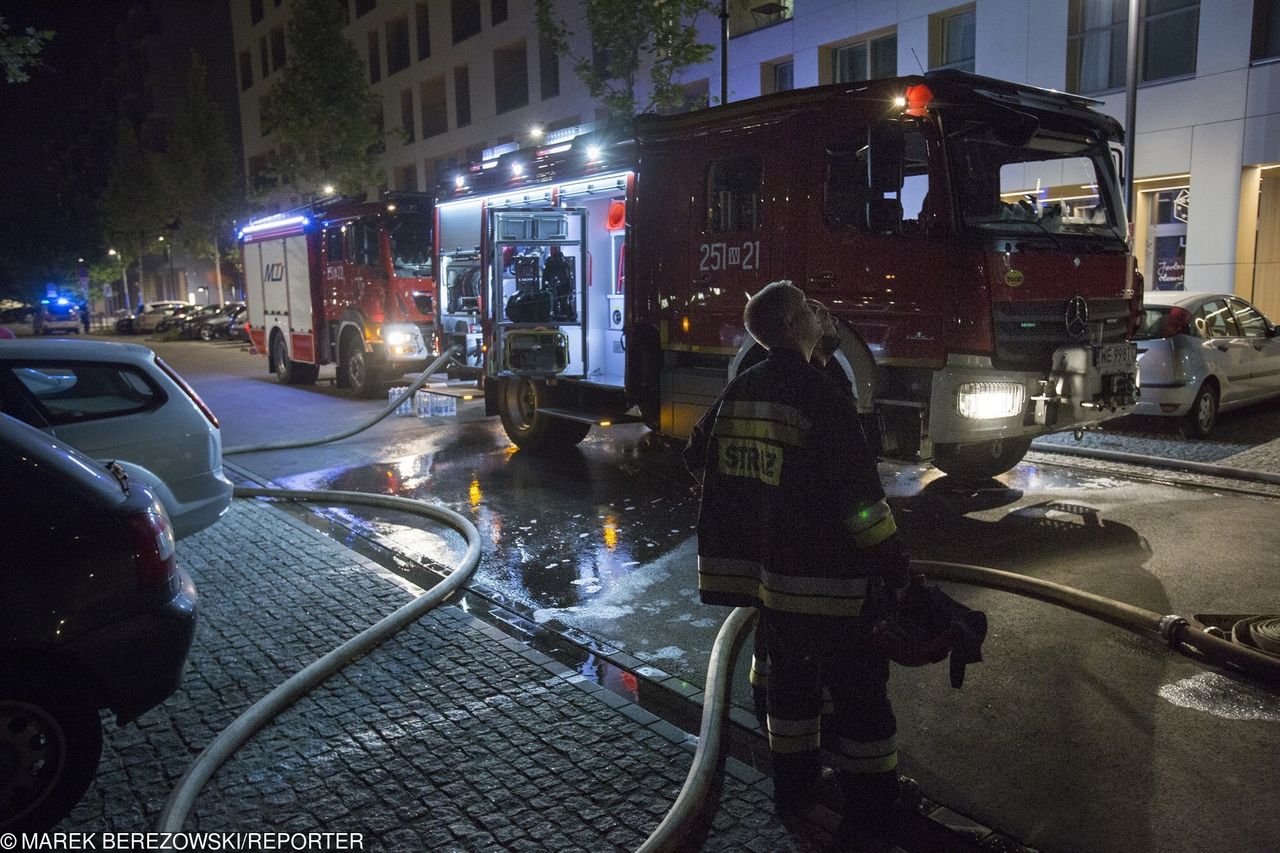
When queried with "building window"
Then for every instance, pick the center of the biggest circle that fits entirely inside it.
(246, 70)
(733, 194)
(397, 45)
(781, 76)
(264, 114)
(466, 19)
(548, 69)
(866, 60)
(1097, 36)
(511, 76)
(407, 178)
(424, 31)
(257, 171)
(462, 95)
(951, 40)
(746, 16)
(435, 112)
(255, 11)
(364, 7)
(693, 96)
(264, 55)
(406, 114)
(1266, 29)
(498, 11)
(375, 58)
(277, 49)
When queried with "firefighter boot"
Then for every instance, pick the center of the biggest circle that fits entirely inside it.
(801, 787)
(876, 803)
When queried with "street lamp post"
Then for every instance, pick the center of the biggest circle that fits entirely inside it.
(169, 286)
(124, 277)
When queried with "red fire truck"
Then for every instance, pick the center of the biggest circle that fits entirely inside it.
(969, 234)
(344, 282)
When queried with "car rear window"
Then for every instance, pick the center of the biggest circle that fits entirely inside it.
(71, 392)
(1152, 324)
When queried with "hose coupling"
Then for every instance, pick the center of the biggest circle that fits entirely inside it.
(1169, 626)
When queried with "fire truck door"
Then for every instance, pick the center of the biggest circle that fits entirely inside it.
(879, 258)
(536, 277)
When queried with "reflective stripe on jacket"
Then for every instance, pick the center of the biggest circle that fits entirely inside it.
(792, 507)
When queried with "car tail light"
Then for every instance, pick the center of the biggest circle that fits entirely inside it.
(154, 548)
(1176, 322)
(191, 392)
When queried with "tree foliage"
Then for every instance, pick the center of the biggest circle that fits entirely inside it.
(322, 111)
(20, 52)
(199, 172)
(624, 37)
(134, 208)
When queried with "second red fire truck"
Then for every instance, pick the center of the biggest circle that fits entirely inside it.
(968, 232)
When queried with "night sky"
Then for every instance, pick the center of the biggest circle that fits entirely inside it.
(108, 58)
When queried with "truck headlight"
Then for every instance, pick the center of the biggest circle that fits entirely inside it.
(989, 400)
(397, 339)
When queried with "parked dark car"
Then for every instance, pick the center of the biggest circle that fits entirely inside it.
(189, 321)
(180, 315)
(237, 331)
(94, 613)
(219, 325)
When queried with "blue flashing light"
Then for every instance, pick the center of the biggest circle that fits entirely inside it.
(62, 301)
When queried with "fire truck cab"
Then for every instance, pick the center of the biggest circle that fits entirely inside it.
(968, 234)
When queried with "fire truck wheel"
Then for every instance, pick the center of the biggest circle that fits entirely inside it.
(529, 429)
(288, 371)
(980, 460)
(361, 377)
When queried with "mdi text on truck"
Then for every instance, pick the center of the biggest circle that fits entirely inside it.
(345, 282)
(968, 233)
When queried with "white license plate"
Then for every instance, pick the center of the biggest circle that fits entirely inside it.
(1115, 358)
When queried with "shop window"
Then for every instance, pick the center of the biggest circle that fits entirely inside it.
(746, 16)
(435, 113)
(952, 39)
(511, 77)
(397, 45)
(466, 19)
(1266, 29)
(375, 57)
(462, 95)
(277, 48)
(548, 68)
(246, 70)
(866, 60)
(733, 194)
(421, 17)
(1097, 39)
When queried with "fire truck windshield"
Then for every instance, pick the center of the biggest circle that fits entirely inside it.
(1054, 183)
(410, 235)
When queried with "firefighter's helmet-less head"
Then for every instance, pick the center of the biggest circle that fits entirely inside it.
(925, 625)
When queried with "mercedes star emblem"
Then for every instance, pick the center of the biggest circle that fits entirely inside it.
(1077, 316)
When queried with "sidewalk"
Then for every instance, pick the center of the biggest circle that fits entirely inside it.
(450, 736)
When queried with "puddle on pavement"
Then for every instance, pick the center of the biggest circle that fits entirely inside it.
(1223, 697)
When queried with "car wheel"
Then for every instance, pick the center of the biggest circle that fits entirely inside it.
(1203, 416)
(206, 333)
(50, 744)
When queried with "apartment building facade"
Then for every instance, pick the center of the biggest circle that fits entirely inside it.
(468, 78)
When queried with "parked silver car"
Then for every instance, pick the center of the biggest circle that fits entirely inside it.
(1202, 353)
(117, 401)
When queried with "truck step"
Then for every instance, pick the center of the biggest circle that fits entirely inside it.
(591, 417)
(469, 391)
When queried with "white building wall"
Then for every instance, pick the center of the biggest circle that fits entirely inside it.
(1213, 124)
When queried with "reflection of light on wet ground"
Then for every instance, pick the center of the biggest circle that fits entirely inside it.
(474, 495)
(610, 532)
(1223, 697)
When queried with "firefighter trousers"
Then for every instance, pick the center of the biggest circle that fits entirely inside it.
(807, 653)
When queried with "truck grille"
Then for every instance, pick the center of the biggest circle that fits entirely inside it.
(1027, 333)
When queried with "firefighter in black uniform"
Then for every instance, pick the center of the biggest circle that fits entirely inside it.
(794, 521)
